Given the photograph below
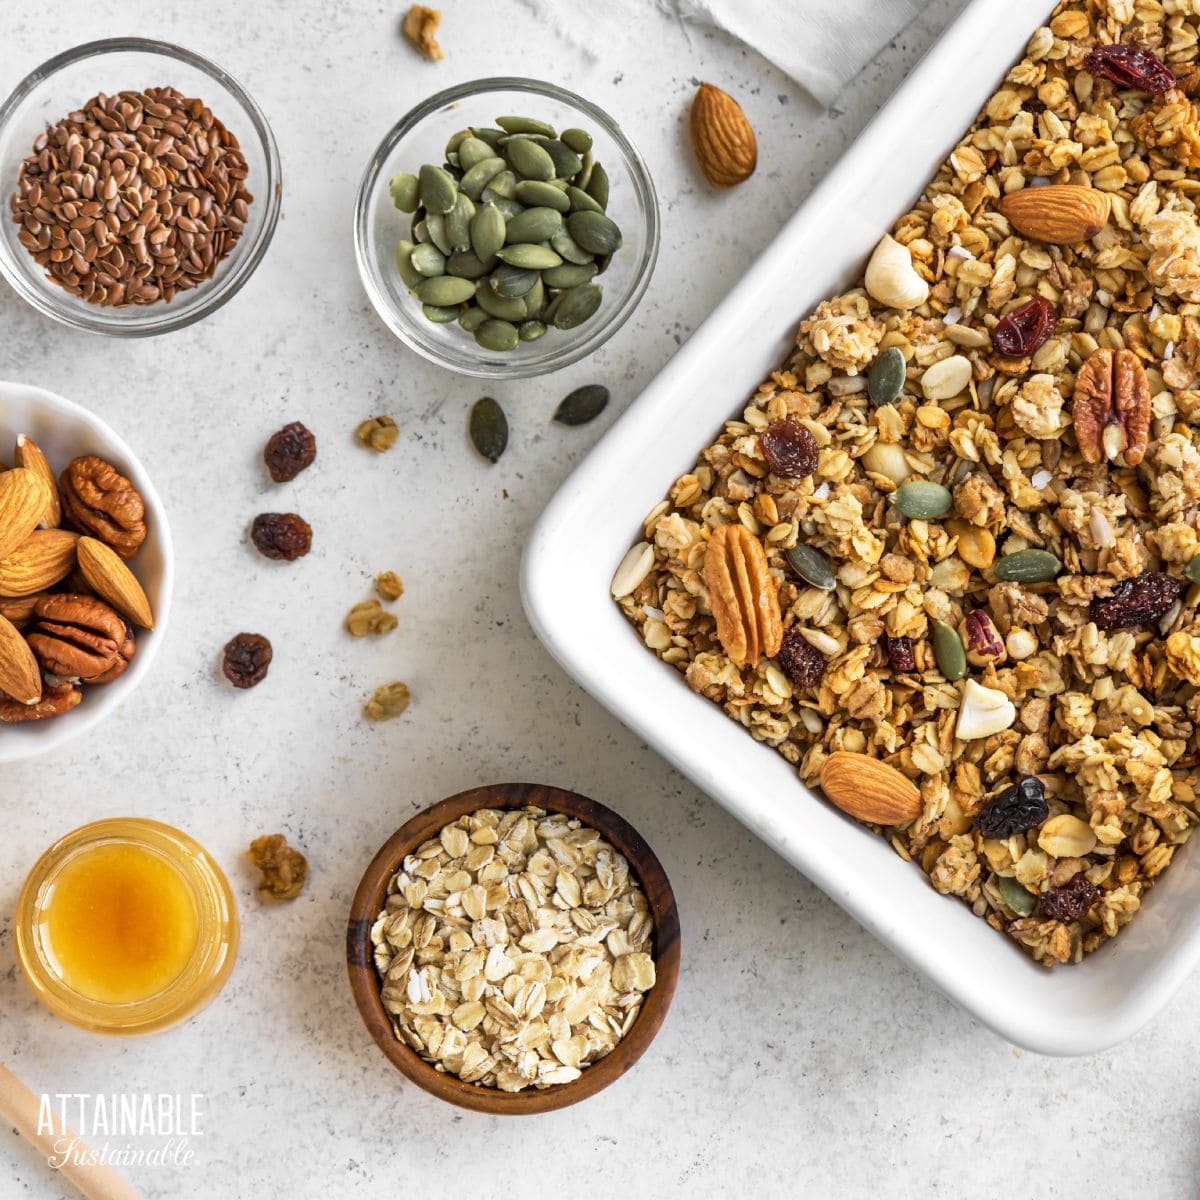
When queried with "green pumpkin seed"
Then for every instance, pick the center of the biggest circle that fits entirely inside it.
(551, 310)
(922, 500)
(456, 140)
(1021, 901)
(529, 159)
(497, 335)
(812, 566)
(481, 176)
(542, 195)
(512, 281)
(408, 273)
(420, 230)
(569, 275)
(473, 150)
(575, 305)
(445, 291)
(885, 380)
(530, 256)
(492, 136)
(597, 186)
(1192, 570)
(502, 186)
(581, 201)
(429, 260)
(535, 299)
(458, 223)
(533, 225)
(465, 264)
(507, 208)
(1028, 566)
(594, 231)
(488, 427)
(530, 331)
(405, 191)
(438, 314)
(578, 139)
(435, 224)
(585, 171)
(487, 232)
(438, 189)
(949, 652)
(584, 404)
(503, 308)
(566, 162)
(472, 317)
(563, 243)
(602, 263)
(525, 125)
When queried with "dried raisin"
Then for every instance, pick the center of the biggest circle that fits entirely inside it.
(800, 660)
(281, 535)
(900, 653)
(1014, 810)
(1136, 601)
(790, 450)
(1071, 901)
(1020, 332)
(1131, 67)
(246, 659)
(289, 451)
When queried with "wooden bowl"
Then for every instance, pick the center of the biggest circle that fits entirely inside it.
(369, 902)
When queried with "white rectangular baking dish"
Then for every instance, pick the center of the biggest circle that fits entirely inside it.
(595, 516)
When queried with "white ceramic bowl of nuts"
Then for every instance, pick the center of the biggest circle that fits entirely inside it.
(62, 644)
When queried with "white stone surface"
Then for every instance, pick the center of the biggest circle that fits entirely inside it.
(800, 1056)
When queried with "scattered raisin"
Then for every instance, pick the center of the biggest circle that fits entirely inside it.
(900, 653)
(1020, 332)
(281, 535)
(790, 450)
(1131, 67)
(246, 659)
(289, 451)
(1136, 601)
(1013, 810)
(1071, 901)
(800, 660)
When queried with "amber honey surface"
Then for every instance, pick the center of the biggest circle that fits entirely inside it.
(119, 923)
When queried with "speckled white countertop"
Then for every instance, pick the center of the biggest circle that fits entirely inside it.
(800, 1057)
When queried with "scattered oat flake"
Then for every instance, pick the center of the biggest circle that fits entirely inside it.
(388, 700)
(369, 617)
(380, 433)
(389, 585)
(420, 28)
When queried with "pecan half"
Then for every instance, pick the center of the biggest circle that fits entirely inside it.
(80, 637)
(99, 500)
(1111, 407)
(55, 700)
(744, 597)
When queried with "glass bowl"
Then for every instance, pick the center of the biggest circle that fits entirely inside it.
(61, 85)
(420, 137)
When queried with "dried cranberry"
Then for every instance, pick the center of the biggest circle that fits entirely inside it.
(246, 659)
(289, 451)
(1020, 332)
(1071, 901)
(1136, 601)
(900, 653)
(281, 535)
(800, 660)
(790, 450)
(1013, 810)
(1131, 67)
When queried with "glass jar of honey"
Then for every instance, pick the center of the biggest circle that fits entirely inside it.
(126, 926)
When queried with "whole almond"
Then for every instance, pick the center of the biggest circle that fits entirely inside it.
(1061, 214)
(869, 789)
(113, 581)
(722, 137)
(20, 677)
(28, 454)
(44, 558)
(24, 496)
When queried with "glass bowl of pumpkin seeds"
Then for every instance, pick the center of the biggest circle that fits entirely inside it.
(505, 228)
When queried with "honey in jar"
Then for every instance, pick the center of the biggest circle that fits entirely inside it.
(126, 926)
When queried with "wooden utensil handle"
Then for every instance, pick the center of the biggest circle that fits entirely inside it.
(19, 1106)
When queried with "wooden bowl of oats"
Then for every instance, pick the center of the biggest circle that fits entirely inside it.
(514, 949)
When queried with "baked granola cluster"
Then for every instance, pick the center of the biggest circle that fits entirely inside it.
(1096, 669)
